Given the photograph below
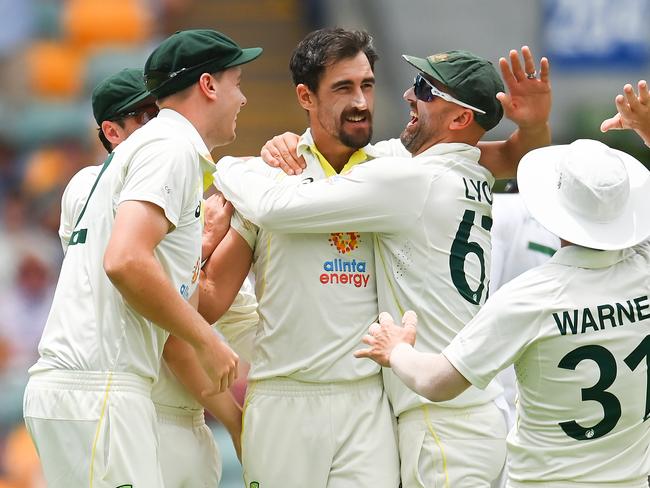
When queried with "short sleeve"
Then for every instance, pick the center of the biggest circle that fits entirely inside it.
(244, 228)
(494, 339)
(73, 200)
(161, 173)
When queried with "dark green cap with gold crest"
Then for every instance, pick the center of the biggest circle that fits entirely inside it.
(471, 79)
(118, 94)
(181, 59)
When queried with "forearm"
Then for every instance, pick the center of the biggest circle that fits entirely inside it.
(223, 275)
(502, 157)
(368, 199)
(427, 374)
(226, 410)
(182, 360)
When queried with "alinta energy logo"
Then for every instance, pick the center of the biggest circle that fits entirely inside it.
(344, 242)
(341, 271)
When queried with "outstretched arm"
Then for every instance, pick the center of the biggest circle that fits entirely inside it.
(633, 112)
(370, 198)
(429, 375)
(527, 104)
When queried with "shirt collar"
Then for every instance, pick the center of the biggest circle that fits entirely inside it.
(471, 152)
(307, 145)
(206, 162)
(584, 257)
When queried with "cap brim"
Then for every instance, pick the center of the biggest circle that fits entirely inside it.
(136, 102)
(537, 181)
(424, 66)
(247, 55)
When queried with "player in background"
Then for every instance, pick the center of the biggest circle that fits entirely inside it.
(519, 243)
(449, 198)
(576, 328)
(130, 271)
(188, 453)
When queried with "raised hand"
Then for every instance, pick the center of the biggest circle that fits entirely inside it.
(528, 99)
(633, 112)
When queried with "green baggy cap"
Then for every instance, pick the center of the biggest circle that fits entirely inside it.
(472, 79)
(119, 94)
(181, 59)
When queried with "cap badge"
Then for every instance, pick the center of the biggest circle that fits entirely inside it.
(437, 58)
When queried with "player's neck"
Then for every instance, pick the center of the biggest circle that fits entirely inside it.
(333, 150)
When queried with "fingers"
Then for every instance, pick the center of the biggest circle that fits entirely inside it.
(544, 70)
(529, 62)
(369, 339)
(280, 152)
(268, 157)
(288, 153)
(506, 101)
(630, 97)
(374, 328)
(232, 376)
(613, 123)
(644, 97)
(385, 318)
(363, 353)
(224, 383)
(410, 319)
(507, 75)
(515, 63)
(623, 107)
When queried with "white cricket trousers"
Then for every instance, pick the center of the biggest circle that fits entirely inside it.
(320, 435)
(93, 429)
(451, 447)
(189, 457)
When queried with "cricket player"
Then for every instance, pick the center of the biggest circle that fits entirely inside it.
(519, 243)
(121, 105)
(443, 224)
(188, 453)
(576, 328)
(129, 273)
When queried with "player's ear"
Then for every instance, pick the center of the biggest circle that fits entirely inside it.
(461, 119)
(112, 132)
(305, 96)
(208, 84)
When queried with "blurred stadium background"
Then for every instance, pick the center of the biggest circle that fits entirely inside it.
(53, 52)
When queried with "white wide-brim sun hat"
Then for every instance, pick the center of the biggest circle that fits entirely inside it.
(587, 193)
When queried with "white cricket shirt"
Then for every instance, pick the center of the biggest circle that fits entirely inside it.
(316, 292)
(576, 329)
(431, 215)
(519, 242)
(73, 201)
(90, 326)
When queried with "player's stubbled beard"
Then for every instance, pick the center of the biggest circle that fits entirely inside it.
(357, 138)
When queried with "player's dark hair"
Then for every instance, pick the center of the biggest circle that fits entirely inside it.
(102, 137)
(324, 47)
